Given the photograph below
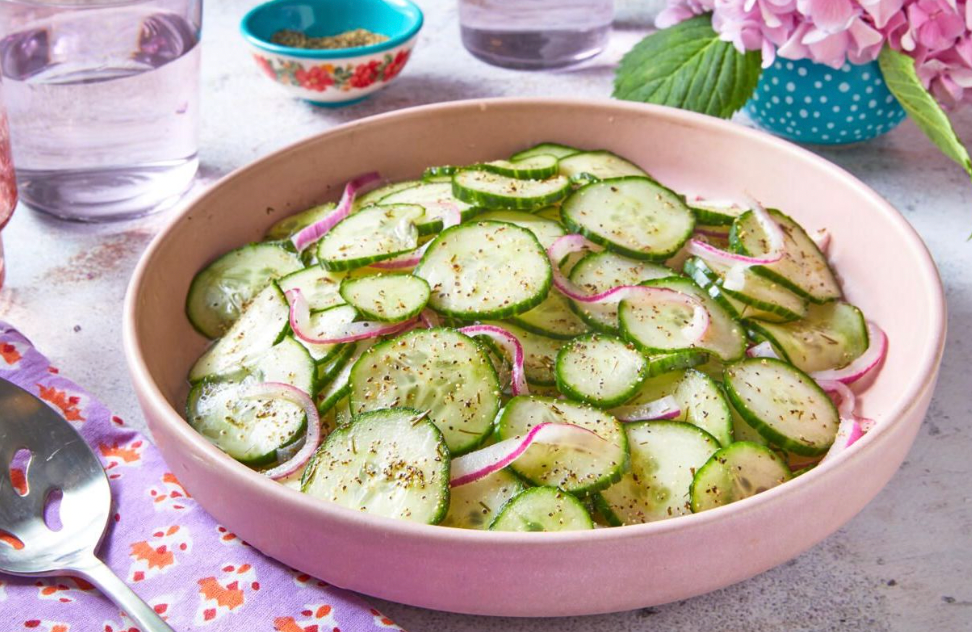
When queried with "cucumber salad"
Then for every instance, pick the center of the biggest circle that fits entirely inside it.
(555, 341)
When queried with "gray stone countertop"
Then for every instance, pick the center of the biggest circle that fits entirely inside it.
(905, 563)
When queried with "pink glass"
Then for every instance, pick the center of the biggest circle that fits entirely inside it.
(8, 183)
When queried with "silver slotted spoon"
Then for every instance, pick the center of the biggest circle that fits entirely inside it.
(59, 460)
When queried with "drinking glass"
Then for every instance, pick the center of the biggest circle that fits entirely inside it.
(103, 99)
(8, 183)
(535, 34)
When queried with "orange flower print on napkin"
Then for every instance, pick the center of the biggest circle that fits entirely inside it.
(68, 405)
(220, 597)
(117, 455)
(10, 353)
(381, 621)
(316, 618)
(36, 625)
(156, 556)
(171, 495)
(61, 589)
(228, 538)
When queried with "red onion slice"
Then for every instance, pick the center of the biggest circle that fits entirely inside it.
(822, 239)
(876, 350)
(851, 426)
(471, 467)
(300, 323)
(310, 234)
(762, 350)
(664, 408)
(451, 217)
(774, 237)
(568, 244)
(312, 440)
(430, 319)
(511, 344)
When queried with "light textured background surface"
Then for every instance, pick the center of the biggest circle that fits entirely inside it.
(905, 563)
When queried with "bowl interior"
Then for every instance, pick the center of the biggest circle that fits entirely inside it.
(397, 19)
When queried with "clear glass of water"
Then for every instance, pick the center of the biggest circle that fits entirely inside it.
(103, 103)
(535, 34)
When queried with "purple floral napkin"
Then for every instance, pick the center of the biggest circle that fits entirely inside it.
(196, 573)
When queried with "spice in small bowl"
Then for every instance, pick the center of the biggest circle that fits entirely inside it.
(348, 39)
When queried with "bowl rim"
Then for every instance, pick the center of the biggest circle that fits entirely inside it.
(925, 372)
(404, 7)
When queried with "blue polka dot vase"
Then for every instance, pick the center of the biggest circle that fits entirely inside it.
(813, 103)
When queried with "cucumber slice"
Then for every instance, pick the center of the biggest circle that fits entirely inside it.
(549, 212)
(539, 353)
(221, 291)
(386, 297)
(341, 413)
(439, 370)
(340, 384)
(261, 325)
(735, 472)
(709, 281)
(553, 318)
(764, 295)
(545, 230)
(676, 361)
(464, 263)
(490, 190)
(373, 234)
(601, 271)
(633, 216)
(783, 404)
(439, 174)
(437, 200)
(830, 337)
(698, 395)
(601, 165)
(665, 456)
(320, 287)
(538, 167)
(658, 328)
(552, 149)
(803, 268)
(742, 431)
(475, 505)
(569, 469)
(600, 369)
(253, 430)
(376, 196)
(328, 369)
(290, 225)
(390, 462)
(543, 509)
(323, 323)
(716, 213)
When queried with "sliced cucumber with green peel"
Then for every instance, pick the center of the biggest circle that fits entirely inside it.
(534, 168)
(386, 297)
(439, 370)
(803, 268)
(493, 191)
(390, 462)
(376, 196)
(657, 329)
(783, 404)
(328, 369)
(709, 281)
(463, 264)
(830, 337)
(735, 472)
(715, 213)
(543, 509)
(601, 271)
(262, 324)
(437, 200)
(545, 149)
(292, 224)
(636, 217)
(665, 455)
(373, 234)
(539, 353)
(339, 385)
(600, 369)
(475, 505)
(324, 323)
(320, 287)
(570, 469)
(221, 291)
(758, 292)
(442, 173)
(602, 165)
(549, 212)
(546, 231)
(553, 318)
(676, 361)
(253, 430)
(742, 431)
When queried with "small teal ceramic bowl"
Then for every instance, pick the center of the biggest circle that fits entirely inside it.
(340, 76)
(812, 103)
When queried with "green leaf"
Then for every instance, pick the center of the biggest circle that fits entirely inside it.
(924, 110)
(689, 67)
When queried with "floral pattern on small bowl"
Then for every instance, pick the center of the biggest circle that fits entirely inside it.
(334, 81)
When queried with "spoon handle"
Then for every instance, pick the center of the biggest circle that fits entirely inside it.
(111, 586)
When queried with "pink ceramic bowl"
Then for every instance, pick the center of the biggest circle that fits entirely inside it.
(885, 267)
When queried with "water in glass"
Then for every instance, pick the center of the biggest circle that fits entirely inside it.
(103, 100)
